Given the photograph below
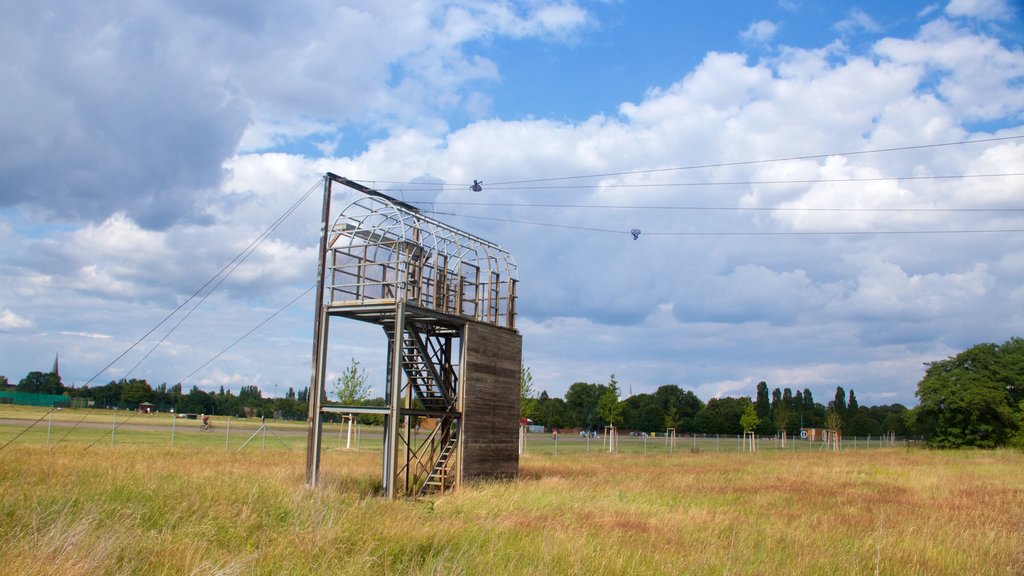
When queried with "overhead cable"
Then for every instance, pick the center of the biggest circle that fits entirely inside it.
(225, 271)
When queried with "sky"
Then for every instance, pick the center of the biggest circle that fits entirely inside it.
(828, 193)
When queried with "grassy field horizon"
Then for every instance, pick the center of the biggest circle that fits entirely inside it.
(140, 510)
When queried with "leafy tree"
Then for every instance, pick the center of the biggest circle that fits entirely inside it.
(106, 396)
(721, 416)
(41, 383)
(642, 412)
(968, 399)
(1017, 439)
(608, 406)
(135, 392)
(671, 418)
(3, 382)
(838, 405)
(862, 424)
(351, 387)
(526, 392)
(763, 408)
(550, 412)
(749, 421)
(781, 418)
(197, 401)
(851, 405)
(249, 396)
(833, 421)
(225, 402)
(762, 405)
(581, 401)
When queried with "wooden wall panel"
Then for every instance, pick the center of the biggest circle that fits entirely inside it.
(492, 360)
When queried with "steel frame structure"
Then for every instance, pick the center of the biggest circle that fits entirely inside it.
(381, 261)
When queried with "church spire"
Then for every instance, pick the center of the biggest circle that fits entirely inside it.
(56, 365)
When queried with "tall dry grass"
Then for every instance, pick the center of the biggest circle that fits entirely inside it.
(135, 510)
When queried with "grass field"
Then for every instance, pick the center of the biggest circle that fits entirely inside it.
(149, 509)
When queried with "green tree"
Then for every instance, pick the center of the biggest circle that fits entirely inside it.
(781, 418)
(581, 401)
(968, 399)
(608, 406)
(197, 402)
(684, 403)
(550, 412)
(749, 421)
(762, 404)
(671, 418)
(41, 383)
(526, 400)
(351, 387)
(833, 421)
(135, 392)
(838, 405)
(722, 416)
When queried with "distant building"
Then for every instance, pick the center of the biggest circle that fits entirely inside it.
(813, 434)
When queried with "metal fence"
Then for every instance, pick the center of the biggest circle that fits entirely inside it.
(111, 428)
(628, 444)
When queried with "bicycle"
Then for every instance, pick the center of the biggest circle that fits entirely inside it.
(206, 427)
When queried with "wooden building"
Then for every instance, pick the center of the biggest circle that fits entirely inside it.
(446, 302)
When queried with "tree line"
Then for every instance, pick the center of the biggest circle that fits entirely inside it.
(671, 407)
(129, 393)
(972, 399)
(975, 398)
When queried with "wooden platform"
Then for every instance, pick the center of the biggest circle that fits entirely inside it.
(492, 361)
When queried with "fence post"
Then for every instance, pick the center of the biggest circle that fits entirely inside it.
(227, 435)
(49, 424)
(174, 424)
(113, 427)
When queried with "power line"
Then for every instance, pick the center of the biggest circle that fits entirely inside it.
(226, 271)
(740, 233)
(247, 334)
(603, 186)
(737, 163)
(718, 208)
(766, 161)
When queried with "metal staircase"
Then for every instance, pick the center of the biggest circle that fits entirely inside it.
(438, 480)
(423, 363)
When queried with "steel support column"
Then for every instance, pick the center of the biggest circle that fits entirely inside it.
(317, 393)
(395, 402)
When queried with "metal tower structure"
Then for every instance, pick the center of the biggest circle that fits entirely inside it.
(446, 302)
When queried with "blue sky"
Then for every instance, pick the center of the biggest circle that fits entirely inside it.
(144, 146)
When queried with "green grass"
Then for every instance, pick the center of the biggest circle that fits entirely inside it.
(149, 509)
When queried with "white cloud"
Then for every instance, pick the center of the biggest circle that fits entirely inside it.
(715, 313)
(141, 107)
(92, 335)
(885, 290)
(760, 31)
(975, 74)
(11, 321)
(856, 21)
(983, 9)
